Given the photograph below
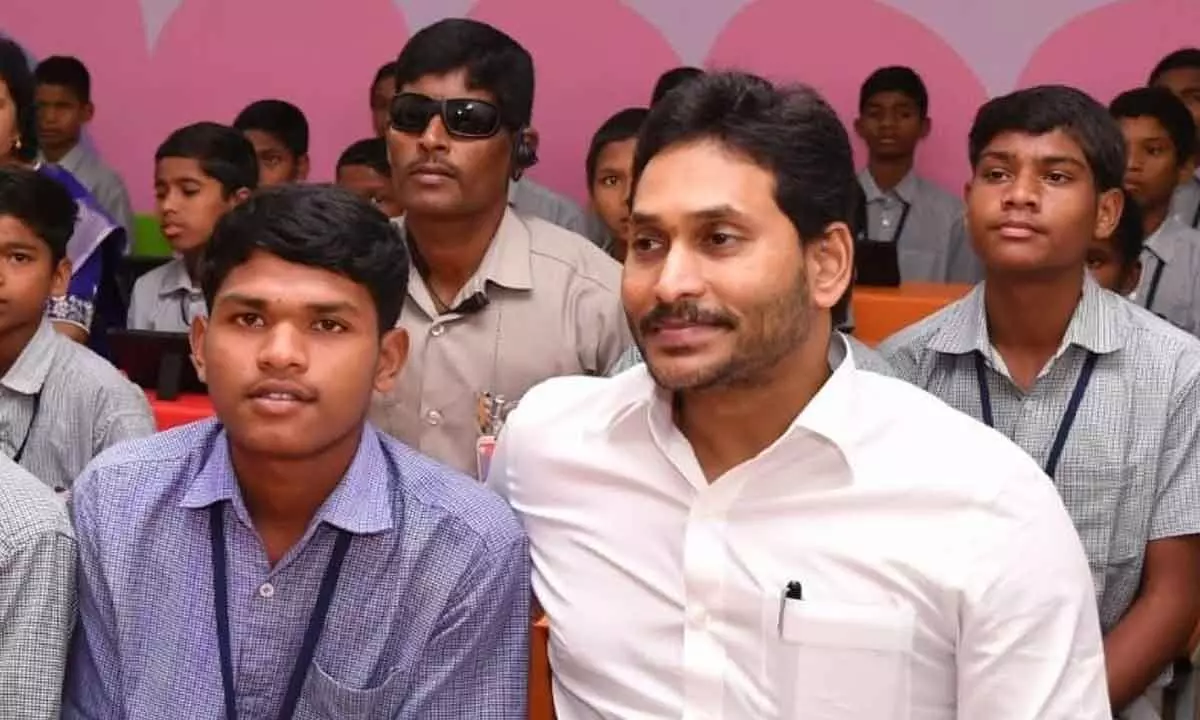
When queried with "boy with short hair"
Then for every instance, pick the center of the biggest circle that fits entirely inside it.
(363, 169)
(1096, 389)
(609, 167)
(201, 172)
(921, 222)
(383, 89)
(64, 104)
(60, 403)
(279, 132)
(289, 511)
(1115, 261)
(1160, 140)
(1179, 72)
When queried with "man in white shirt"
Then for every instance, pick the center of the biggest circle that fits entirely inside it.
(750, 527)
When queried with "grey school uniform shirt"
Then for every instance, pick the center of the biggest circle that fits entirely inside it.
(529, 198)
(1170, 284)
(65, 404)
(165, 300)
(932, 243)
(1185, 204)
(1129, 472)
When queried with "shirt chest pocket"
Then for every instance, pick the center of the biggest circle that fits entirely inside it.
(325, 698)
(831, 660)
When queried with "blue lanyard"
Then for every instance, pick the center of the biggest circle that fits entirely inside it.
(316, 622)
(1068, 418)
(37, 406)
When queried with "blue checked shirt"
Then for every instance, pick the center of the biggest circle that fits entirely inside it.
(430, 619)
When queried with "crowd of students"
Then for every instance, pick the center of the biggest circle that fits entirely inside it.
(443, 391)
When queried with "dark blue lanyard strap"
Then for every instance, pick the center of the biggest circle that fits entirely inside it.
(37, 406)
(1068, 418)
(903, 221)
(316, 622)
(1152, 292)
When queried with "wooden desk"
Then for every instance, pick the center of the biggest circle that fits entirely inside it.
(541, 702)
(180, 411)
(879, 312)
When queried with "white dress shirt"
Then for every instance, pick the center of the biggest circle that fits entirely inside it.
(940, 574)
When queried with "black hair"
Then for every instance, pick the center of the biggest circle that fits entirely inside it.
(493, 61)
(792, 132)
(1170, 112)
(1129, 235)
(386, 70)
(672, 79)
(224, 154)
(371, 152)
(622, 126)
(66, 71)
(1044, 109)
(898, 79)
(1182, 59)
(15, 73)
(41, 204)
(278, 118)
(320, 226)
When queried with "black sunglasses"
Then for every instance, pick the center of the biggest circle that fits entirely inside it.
(463, 117)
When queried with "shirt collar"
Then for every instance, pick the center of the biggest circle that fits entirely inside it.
(1097, 325)
(828, 414)
(1165, 240)
(509, 261)
(360, 504)
(28, 374)
(71, 161)
(907, 189)
(176, 279)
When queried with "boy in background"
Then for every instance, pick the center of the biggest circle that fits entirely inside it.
(363, 169)
(1179, 72)
(1160, 139)
(610, 173)
(278, 131)
(64, 105)
(921, 221)
(60, 403)
(200, 173)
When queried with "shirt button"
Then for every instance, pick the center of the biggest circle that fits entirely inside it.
(266, 590)
(437, 330)
(433, 417)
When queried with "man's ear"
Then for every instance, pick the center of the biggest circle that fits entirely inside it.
(303, 165)
(830, 264)
(89, 112)
(238, 197)
(196, 339)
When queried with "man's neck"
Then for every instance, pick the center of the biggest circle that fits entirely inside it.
(56, 154)
(283, 495)
(13, 342)
(452, 249)
(889, 172)
(1153, 218)
(1027, 319)
(729, 426)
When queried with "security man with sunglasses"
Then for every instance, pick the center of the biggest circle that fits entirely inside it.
(497, 301)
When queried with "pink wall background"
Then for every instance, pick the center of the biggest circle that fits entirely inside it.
(159, 64)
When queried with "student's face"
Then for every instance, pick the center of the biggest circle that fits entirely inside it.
(369, 185)
(10, 131)
(189, 203)
(28, 275)
(60, 116)
(718, 288)
(381, 98)
(439, 175)
(1032, 206)
(276, 163)
(1109, 269)
(610, 189)
(891, 125)
(291, 355)
(1185, 83)
(1152, 168)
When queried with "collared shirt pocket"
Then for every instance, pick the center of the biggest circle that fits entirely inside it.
(836, 659)
(324, 698)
